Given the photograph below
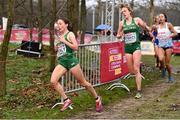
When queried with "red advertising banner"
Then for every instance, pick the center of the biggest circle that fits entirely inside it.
(113, 62)
(1, 34)
(17, 35)
(176, 47)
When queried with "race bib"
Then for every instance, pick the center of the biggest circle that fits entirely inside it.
(162, 37)
(130, 37)
(61, 50)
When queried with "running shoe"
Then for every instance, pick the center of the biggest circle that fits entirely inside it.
(138, 95)
(163, 72)
(99, 106)
(170, 79)
(66, 104)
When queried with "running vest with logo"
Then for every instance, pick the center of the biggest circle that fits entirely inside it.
(131, 32)
(163, 36)
(63, 49)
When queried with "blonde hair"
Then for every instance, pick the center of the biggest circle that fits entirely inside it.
(128, 7)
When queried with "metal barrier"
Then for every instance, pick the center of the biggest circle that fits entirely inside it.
(103, 39)
(89, 59)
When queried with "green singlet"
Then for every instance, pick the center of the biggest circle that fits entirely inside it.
(65, 55)
(131, 37)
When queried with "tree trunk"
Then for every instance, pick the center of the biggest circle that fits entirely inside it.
(83, 20)
(31, 17)
(72, 12)
(3, 8)
(53, 18)
(132, 4)
(4, 48)
(151, 8)
(99, 9)
(40, 20)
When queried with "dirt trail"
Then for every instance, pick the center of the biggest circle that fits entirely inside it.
(129, 107)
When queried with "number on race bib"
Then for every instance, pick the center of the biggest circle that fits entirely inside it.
(61, 50)
(130, 37)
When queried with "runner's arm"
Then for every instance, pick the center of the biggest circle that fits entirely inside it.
(142, 24)
(154, 28)
(173, 31)
(120, 30)
(72, 43)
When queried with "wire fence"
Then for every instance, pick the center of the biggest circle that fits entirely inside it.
(89, 59)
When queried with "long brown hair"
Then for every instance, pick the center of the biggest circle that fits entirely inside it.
(66, 21)
(128, 7)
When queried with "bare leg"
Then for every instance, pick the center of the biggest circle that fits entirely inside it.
(56, 75)
(136, 66)
(167, 60)
(156, 56)
(129, 58)
(161, 53)
(78, 74)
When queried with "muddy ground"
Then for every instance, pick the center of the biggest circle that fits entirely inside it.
(160, 100)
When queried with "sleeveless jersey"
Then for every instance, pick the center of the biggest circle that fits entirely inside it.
(63, 49)
(156, 41)
(163, 36)
(131, 32)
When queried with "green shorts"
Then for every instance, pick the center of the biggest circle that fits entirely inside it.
(130, 48)
(68, 62)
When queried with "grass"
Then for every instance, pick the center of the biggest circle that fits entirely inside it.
(30, 96)
(165, 106)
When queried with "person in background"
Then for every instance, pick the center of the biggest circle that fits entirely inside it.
(129, 28)
(165, 34)
(156, 42)
(68, 62)
(78, 38)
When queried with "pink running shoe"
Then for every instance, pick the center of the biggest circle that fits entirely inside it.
(66, 104)
(99, 106)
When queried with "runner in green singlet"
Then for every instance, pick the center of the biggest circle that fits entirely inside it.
(129, 28)
(131, 36)
(67, 61)
(65, 54)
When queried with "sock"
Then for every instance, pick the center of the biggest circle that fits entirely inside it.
(139, 91)
(97, 97)
(66, 99)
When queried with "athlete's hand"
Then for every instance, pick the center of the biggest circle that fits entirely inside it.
(153, 39)
(61, 39)
(56, 47)
(118, 36)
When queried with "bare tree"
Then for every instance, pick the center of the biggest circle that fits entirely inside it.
(83, 20)
(99, 8)
(31, 17)
(151, 8)
(171, 4)
(132, 4)
(3, 8)
(40, 21)
(53, 18)
(4, 48)
(72, 12)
